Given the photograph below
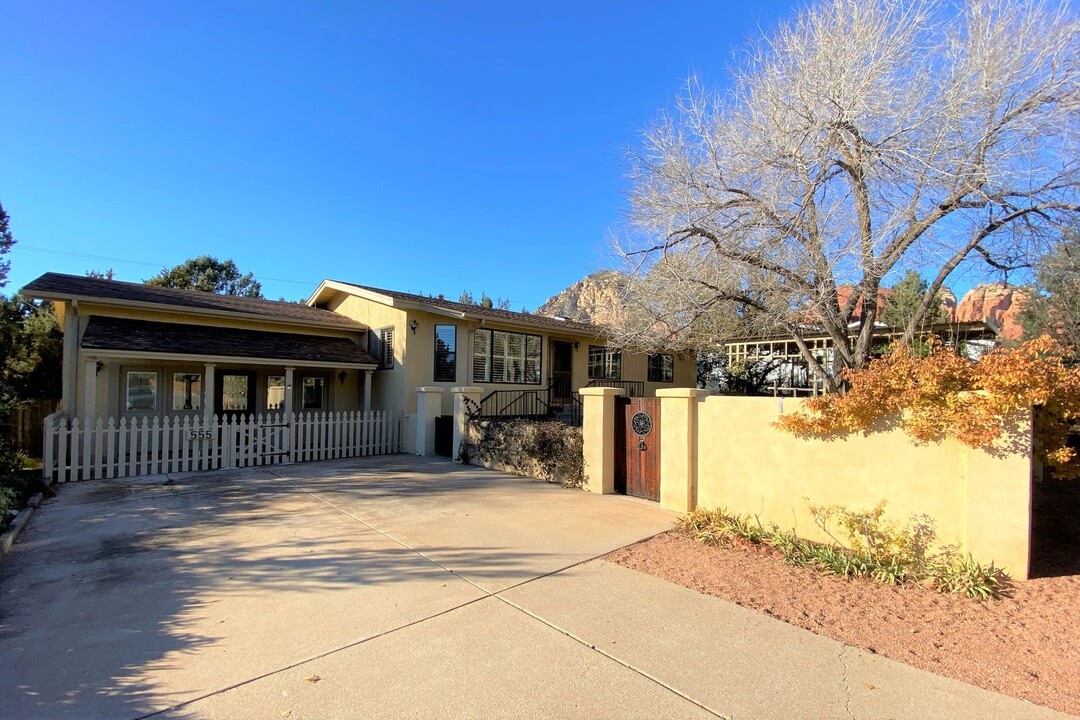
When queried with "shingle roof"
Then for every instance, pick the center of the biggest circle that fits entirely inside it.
(110, 333)
(492, 313)
(57, 285)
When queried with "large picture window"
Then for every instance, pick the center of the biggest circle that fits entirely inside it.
(445, 353)
(661, 368)
(506, 357)
(605, 363)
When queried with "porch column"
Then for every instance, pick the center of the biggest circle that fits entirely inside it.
(289, 392)
(368, 375)
(89, 392)
(462, 397)
(71, 358)
(208, 393)
(428, 407)
(598, 434)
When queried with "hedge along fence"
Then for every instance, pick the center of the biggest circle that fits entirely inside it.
(545, 450)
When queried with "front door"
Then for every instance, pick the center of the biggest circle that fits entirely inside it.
(562, 363)
(637, 443)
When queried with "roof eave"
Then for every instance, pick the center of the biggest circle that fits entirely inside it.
(352, 326)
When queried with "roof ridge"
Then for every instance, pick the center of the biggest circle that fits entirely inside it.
(466, 307)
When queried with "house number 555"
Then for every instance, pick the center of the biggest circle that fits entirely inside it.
(199, 435)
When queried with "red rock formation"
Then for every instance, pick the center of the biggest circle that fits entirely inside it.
(998, 304)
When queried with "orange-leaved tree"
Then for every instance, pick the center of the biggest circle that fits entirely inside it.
(943, 395)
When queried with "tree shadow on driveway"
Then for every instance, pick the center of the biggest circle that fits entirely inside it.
(125, 598)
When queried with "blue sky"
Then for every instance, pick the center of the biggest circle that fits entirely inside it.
(417, 146)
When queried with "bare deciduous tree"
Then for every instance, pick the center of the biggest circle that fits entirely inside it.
(858, 141)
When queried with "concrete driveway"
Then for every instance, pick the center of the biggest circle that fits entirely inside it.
(398, 587)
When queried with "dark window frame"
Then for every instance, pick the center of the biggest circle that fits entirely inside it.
(609, 356)
(447, 366)
(656, 371)
(486, 375)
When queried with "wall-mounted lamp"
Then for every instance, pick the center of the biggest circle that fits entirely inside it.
(98, 367)
(341, 376)
(577, 345)
(413, 325)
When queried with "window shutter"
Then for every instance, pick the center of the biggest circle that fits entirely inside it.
(386, 341)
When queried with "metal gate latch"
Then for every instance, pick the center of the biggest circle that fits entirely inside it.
(641, 445)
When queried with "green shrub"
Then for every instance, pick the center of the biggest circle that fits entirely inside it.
(11, 458)
(876, 549)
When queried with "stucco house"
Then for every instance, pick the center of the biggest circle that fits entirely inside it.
(133, 351)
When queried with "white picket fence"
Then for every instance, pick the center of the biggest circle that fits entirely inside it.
(111, 449)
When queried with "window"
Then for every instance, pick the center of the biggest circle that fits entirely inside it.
(381, 346)
(186, 391)
(275, 392)
(506, 357)
(662, 368)
(445, 353)
(234, 393)
(313, 393)
(142, 387)
(386, 341)
(605, 363)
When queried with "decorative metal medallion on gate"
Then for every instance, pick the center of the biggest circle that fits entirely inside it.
(641, 423)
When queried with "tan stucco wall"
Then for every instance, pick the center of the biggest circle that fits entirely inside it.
(978, 501)
(388, 386)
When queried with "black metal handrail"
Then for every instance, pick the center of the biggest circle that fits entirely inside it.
(515, 403)
(633, 388)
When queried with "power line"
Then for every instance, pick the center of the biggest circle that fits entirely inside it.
(88, 256)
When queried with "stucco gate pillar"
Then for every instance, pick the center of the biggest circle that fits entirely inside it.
(678, 447)
(428, 407)
(598, 435)
(463, 397)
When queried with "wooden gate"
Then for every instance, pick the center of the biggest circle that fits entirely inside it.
(637, 447)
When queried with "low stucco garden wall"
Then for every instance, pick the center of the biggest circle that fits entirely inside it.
(724, 452)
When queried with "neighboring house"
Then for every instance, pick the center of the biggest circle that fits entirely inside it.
(134, 351)
(788, 373)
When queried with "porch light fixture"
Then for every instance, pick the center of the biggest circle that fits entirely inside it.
(413, 325)
(98, 366)
(341, 376)
(577, 345)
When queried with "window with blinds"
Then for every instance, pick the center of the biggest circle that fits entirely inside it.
(381, 346)
(445, 353)
(386, 347)
(506, 357)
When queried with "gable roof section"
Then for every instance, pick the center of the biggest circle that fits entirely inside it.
(456, 309)
(57, 286)
(147, 336)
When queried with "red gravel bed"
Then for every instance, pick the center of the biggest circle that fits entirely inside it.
(1026, 645)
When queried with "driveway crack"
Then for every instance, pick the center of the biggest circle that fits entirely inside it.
(845, 681)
